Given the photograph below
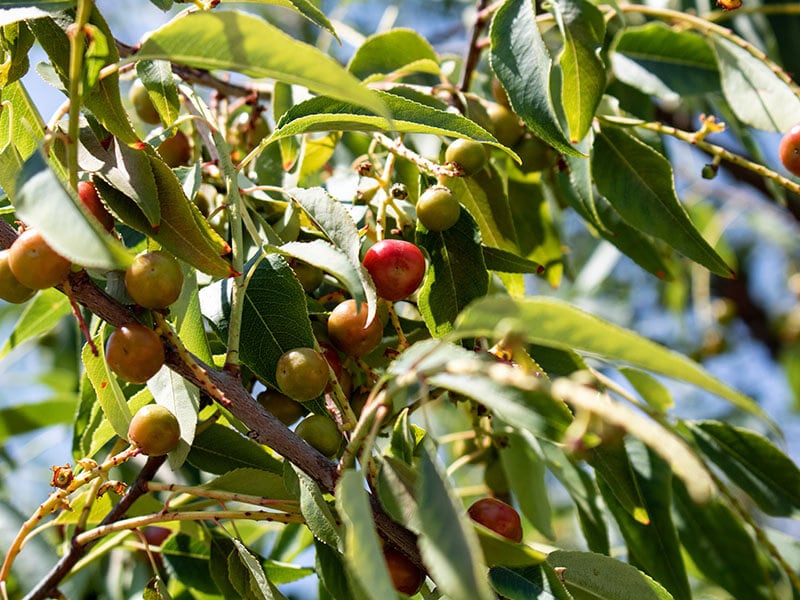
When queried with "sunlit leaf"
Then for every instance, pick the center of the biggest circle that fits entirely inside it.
(23, 418)
(390, 51)
(303, 7)
(539, 582)
(156, 75)
(182, 399)
(219, 449)
(109, 394)
(40, 315)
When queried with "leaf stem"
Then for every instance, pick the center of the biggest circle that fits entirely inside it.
(76, 35)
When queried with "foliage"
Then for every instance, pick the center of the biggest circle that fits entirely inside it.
(298, 165)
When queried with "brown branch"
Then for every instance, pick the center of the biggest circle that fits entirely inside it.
(475, 47)
(48, 587)
(264, 427)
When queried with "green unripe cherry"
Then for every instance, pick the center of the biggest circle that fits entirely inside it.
(320, 432)
(437, 208)
(11, 290)
(302, 374)
(469, 155)
(154, 279)
(142, 104)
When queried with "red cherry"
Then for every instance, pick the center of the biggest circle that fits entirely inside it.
(397, 268)
(789, 150)
(406, 576)
(91, 200)
(497, 516)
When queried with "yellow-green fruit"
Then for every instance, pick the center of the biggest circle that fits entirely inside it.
(536, 155)
(11, 290)
(154, 279)
(309, 276)
(176, 150)
(321, 433)
(286, 410)
(469, 155)
(155, 430)
(508, 129)
(437, 208)
(142, 104)
(302, 374)
(34, 263)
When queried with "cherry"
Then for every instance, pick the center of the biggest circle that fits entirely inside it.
(437, 208)
(286, 410)
(499, 93)
(35, 264)
(154, 279)
(154, 430)
(396, 267)
(309, 276)
(320, 432)
(91, 200)
(332, 356)
(135, 353)
(507, 126)
(789, 150)
(406, 576)
(302, 374)
(469, 155)
(11, 290)
(349, 331)
(497, 516)
(536, 155)
(142, 104)
(176, 150)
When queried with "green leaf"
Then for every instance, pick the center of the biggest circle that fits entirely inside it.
(156, 75)
(332, 572)
(233, 41)
(649, 388)
(44, 202)
(182, 399)
(552, 322)
(221, 548)
(654, 547)
(219, 449)
(390, 51)
(331, 217)
(187, 559)
(638, 183)
(274, 310)
(321, 114)
(589, 576)
(109, 395)
(182, 230)
(538, 582)
(259, 583)
(499, 550)
(448, 542)
(664, 62)
(40, 315)
(720, 546)
(757, 96)
(521, 62)
(314, 508)
(252, 482)
(362, 550)
(98, 54)
(485, 198)
(305, 8)
(22, 418)
(15, 42)
(612, 465)
(583, 491)
(753, 463)
(130, 171)
(22, 10)
(583, 76)
(507, 262)
(456, 276)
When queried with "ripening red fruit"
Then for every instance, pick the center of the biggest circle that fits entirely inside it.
(176, 150)
(35, 264)
(91, 200)
(11, 290)
(349, 332)
(406, 576)
(154, 430)
(396, 267)
(154, 279)
(497, 516)
(789, 150)
(135, 353)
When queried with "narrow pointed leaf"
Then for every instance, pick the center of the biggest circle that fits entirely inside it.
(539, 582)
(638, 183)
(40, 315)
(233, 41)
(130, 171)
(219, 449)
(315, 509)
(522, 63)
(109, 394)
(611, 464)
(524, 464)
(552, 322)
(389, 51)
(156, 75)
(305, 8)
(24, 418)
(506, 262)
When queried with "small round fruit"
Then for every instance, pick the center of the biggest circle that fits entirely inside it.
(135, 353)
(320, 432)
(330, 354)
(302, 374)
(91, 200)
(35, 264)
(406, 576)
(11, 290)
(507, 126)
(154, 279)
(437, 208)
(309, 276)
(499, 93)
(154, 430)
(349, 332)
(497, 516)
(142, 104)
(396, 267)
(535, 154)
(176, 150)
(469, 155)
(286, 410)
(789, 150)
(494, 476)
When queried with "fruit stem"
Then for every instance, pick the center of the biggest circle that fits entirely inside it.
(76, 35)
(402, 341)
(397, 147)
(722, 153)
